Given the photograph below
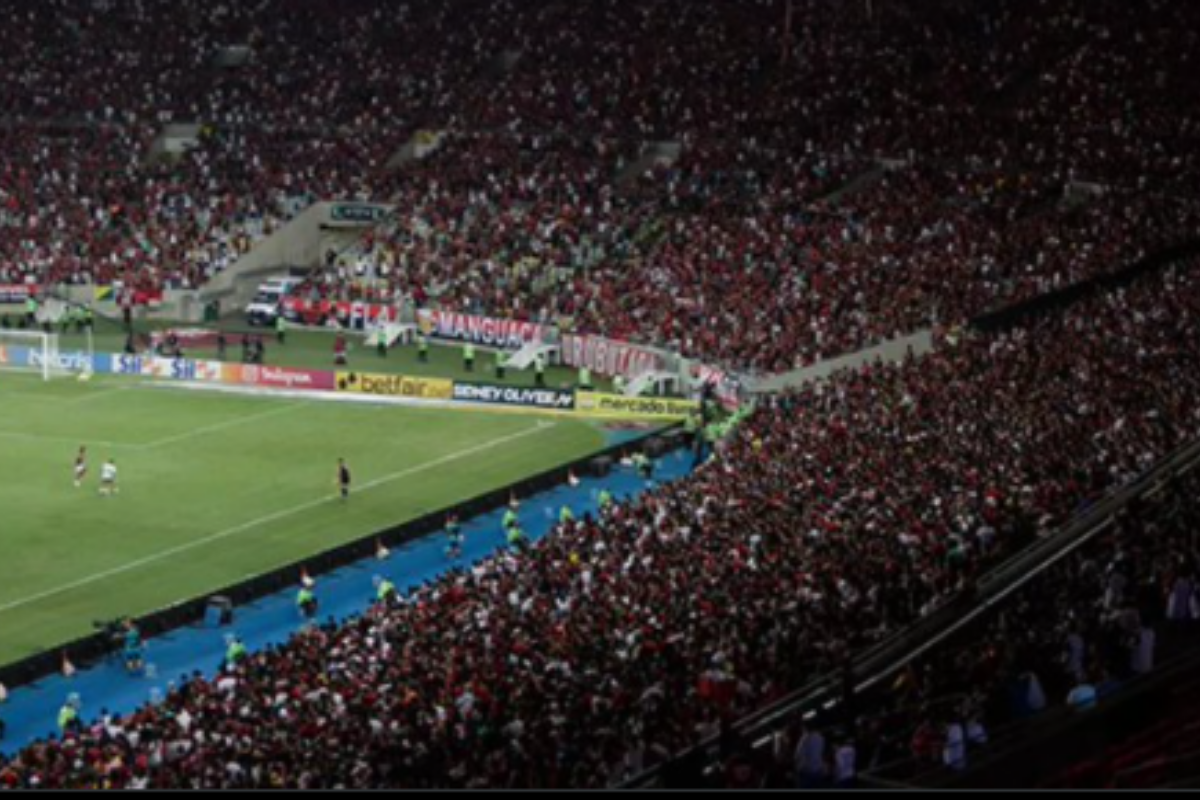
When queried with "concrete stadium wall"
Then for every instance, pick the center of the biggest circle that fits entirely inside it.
(299, 244)
(918, 344)
(182, 306)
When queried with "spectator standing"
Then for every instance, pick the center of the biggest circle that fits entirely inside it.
(306, 602)
(811, 769)
(539, 365)
(339, 350)
(954, 748)
(845, 765)
(1142, 657)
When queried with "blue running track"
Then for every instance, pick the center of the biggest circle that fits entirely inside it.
(31, 711)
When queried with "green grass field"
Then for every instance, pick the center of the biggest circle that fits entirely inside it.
(218, 488)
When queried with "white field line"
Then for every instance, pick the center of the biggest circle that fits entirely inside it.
(220, 426)
(87, 398)
(276, 517)
(155, 445)
(67, 401)
(33, 437)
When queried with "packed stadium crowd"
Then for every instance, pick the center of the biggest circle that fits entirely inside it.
(772, 291)
(1078, 634)
(837, 516)
(531, 210)
(751, 229)
(857, 177)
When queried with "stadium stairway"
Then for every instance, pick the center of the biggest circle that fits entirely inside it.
(856, 185)
(652, 155)
(31, 711)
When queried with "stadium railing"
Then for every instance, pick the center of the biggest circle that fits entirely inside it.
(889, 657)
(1185, 253)
(872, 668)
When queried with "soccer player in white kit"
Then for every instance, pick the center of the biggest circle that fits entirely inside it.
(108, 479)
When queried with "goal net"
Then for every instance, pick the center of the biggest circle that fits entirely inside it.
(35, 351)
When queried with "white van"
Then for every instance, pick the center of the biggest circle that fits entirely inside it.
(286, 285)
(267, 304)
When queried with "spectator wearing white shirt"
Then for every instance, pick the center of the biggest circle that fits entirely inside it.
(845, 765)
(1181, 604)
(954, 751)
(977, 735)
(811, 770)
(1084, 697)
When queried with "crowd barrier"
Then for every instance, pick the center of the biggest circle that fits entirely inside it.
(395, 386)
(616, 406)
(516, 397)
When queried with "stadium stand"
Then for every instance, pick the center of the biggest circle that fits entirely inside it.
(844, 176)
(841, 515)
(537, 194)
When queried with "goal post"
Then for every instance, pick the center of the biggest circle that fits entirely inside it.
(37, 351)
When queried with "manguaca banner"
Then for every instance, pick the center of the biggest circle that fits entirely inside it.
(484, 331)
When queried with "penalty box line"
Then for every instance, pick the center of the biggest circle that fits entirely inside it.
(541, 427)
(220, 426)
(158, 443)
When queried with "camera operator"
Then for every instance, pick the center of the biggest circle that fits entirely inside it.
(134, 650)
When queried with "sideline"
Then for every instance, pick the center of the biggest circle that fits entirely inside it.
(540, 428)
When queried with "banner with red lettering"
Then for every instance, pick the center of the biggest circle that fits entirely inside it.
(128, 298)
(505, 334)
(348, 315)
(726, 387)
(281, 378)
(152, 298)
(16, 294)
(609, 357)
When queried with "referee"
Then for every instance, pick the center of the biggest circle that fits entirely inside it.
(343, 478)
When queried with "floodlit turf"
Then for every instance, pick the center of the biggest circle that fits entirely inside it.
(218, 488)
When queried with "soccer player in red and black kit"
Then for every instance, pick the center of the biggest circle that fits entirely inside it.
(344, 478)
(80, 467)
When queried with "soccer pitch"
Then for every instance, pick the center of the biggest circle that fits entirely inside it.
(217, 488)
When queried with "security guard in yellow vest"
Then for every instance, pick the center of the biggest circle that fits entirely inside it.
(539, 366)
